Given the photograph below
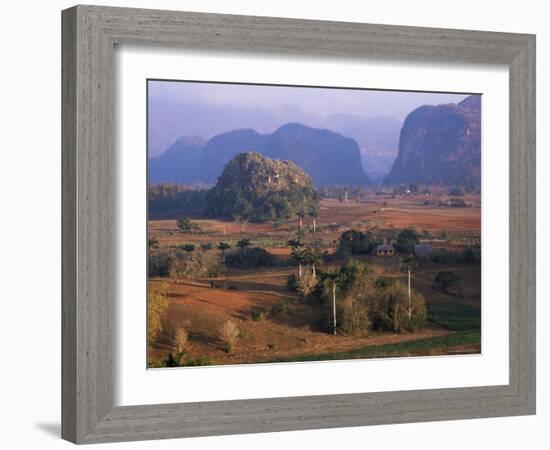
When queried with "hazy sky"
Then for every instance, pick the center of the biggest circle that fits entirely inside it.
(319, 101)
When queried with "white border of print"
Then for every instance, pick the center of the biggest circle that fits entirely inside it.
(135, 385)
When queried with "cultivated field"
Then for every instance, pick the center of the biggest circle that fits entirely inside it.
(274, 324)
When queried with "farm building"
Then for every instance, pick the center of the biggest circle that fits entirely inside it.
(470, 240)
(384, 250)
(422, 249)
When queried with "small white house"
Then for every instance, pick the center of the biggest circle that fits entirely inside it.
(384, 250)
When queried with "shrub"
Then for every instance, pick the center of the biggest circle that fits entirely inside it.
(160, 264)
(186, 225)
(155, 363)
(306, 285)
(444, 256)
(278, 309)
(356, 243)
(384, 282)
(172, 360)
(189, 248)
(176, 360)
(457, 203)
(348, 288)
(256, 315)
(195, 264)
(352, 315)
(448, 282)
(204, 361)
(180, 339)
(157, 304)
(470, 256)
(292, 283)
(392, 310)
(250, 258)
(457, 191)
(228, 333)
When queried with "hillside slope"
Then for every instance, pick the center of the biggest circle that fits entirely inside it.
(440, 145)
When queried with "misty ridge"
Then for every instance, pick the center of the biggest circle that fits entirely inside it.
(190, 143)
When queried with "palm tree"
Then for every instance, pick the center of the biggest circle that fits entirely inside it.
(301, 214)
(296, 253)
(409, 262)
(311, 258)
(313, 211)
(297, 256)
(333, 279)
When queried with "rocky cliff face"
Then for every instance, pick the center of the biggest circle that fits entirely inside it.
(254, 187)
(440, 145)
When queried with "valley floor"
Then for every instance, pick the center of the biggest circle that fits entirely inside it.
(275, 325)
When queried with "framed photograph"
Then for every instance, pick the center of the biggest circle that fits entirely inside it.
(276, 224)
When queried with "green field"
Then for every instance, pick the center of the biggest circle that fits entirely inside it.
(455, 316)
(412, 348)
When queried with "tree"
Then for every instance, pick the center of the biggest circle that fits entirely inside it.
(180, 339)
(228, 333)
(160, 264)
(297, 254)
(250, 259)
(223, 246)
(313, 211)
(189, 248)
(157, 304)
(311, 257)
(447, 282)
(294, 243)
(243, 244)
(152, 244)
(333, 279)
(394, 311)
(457, 191)
(347, 293)
(205, 246)
(300, 215)
(409, 262)
(169, 197)
(356, 242)
(406, 240)
(184, 224)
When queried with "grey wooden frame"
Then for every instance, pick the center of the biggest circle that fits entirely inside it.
(89, 36)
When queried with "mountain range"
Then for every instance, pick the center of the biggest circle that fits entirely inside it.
(377, 137)
(327, 157)
(436, 144)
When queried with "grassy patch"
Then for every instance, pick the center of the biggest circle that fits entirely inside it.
(455, 316)
(411, 348)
